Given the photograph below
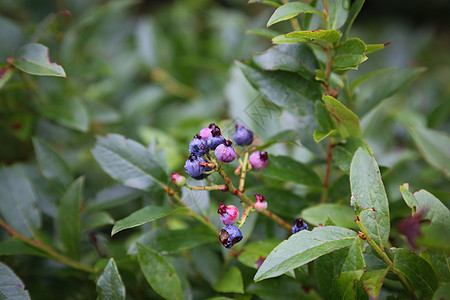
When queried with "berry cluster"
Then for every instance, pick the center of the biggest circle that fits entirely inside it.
(229, 234)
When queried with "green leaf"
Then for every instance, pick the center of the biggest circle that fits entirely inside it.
(303, 247)
(11, 287)
(12, 246)
(442, 292)
(285, 136)
(439, 260)
(110, 285)
(71, 113)
(69, 218)
(345, 285)
(418, 273)
(6, 73)
(144, 215)
(159, 273)
(287, 169)
(129, 162)
(349, 55)
(35, 59)
(277, 288)
(263, 32)
(354, 11)
(51, 164)
(372, 282)
(291, 10)
(344, 119)
(272, 3)
(170, 241)
(327, 268)
(390, 85)
(288, 57)
(285, 89)
(330, 37)
(342, 215)
(369, 197)
(338, 12)
(96, 219)
(231, 282)
(112, 196)
(343, 153)
(18, 202)
(375, 47)
(434, 146)
(355, 259)
(367, 76)
(253, 254)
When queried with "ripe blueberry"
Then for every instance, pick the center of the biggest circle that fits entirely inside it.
(260, 203)
(225, 152)
(215, 139)
(230, 235)
(228, 214)
(242, 136)
(193, 167)
(198, 146)
(206, 132)
(259, 159)
(299, 225)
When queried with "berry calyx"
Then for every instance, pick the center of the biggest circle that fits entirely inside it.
(299, 225)
(242, 136)
(228, 214)
(259, 159)
(229, 236)
(178, 179)
(260, 203)
(225, 152)
(198, 145)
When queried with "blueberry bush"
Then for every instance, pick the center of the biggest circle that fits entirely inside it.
(219, 150)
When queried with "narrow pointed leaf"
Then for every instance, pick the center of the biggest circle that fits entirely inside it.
(369, 197)
(354, 11)
(110, 285)
(35, 59)
(11, 287)
(375, 47)
(372, 282)
(159, 273)
(355, 259)
(325, 36)
(144, 215)
(274, 3)
(291, 10)
(6, 73)
(263, 32)
(344, 119)
(302, 248)
(129, 162)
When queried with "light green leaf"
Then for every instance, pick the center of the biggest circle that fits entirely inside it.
(375, 47)
(418, 273)
(291, 10)
(129, 162)
(348, 55)
(434, 146)
(442, 292)
(303, 247)
(159, 273)
(372, 282)
(110, 285)
(354, 11)
(263, 32)
(71, 113)
(324, 36)
(320, 135)
(344, 119)
(144, 215)
(287, 169)
(18, 202)
(6, 73)
(367, 76)
(231, 282)
(338, 12)
(355, 259)
(69, 218)
(51, 164)
(369, 197)
(11, 287)
(35, 59)
(96, 219)
(342, 215)
(254, 253)
(268, 2)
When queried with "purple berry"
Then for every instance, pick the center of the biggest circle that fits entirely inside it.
(215, 139)
(299, 225)
(206, 132)
(225, 152)
(242, 136)
(230, 235)
(193, 167)
(259, 159)
(228, 214)
(198, 146)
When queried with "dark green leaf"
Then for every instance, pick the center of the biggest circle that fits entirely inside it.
(69, 218)
(372, 282)
(286, 136)
(354, 11)
(288, 57)
(345, 285)
(349, 55)
(6, 72)
(355, 259)
(343, 153)
(253, 254)
(35, 59)
(159, 273)
(129, 162)
(18, 202)
(110, 285)
(11, 287)
(302, 248)
(169, 241)
(14, 246)
(231, 282)
(342, 215)
(51, 164)
(113, 196)
(71, 113)
(274, 3)
(390, 85)
(264, 32)
(434, 146)
(277, 288)
(369, 197)
(144, 215)
(285, 89)
(207, 263)
(291, 10)
(327, 268)
(325, 36)
(439, 260)
(344, 119)
(418, 273)
(96, 219)
(367, 76)
(287, 169)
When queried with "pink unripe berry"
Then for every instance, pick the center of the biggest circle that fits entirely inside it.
(259, 159)
(225, 152)
(228, 214)
(178, 179)
(206, 132)
(260, 203)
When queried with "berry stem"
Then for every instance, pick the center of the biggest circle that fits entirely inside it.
(245, 215)
(326, 181)
(243, 173)
(215, 187)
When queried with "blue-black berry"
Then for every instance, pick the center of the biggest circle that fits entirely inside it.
(225, 152)
(299, 225)
(242, 136)
(198, 146)
(193, 167)
(230, 235)
(215, 139)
